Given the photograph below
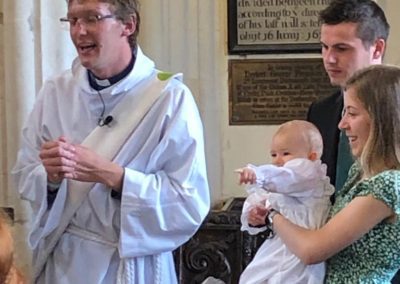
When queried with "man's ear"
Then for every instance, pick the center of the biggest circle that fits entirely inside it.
(379, 49)
(129, 26)
(312, 156)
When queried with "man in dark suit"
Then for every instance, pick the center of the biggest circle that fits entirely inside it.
(353, 36)
(326, 114)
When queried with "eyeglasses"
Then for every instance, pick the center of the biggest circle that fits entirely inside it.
(88, 21)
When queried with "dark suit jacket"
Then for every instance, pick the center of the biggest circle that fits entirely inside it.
(325, 114)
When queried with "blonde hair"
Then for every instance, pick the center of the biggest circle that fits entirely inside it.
(8, 273)
(378, 89)
(6, 248)
(309, 133)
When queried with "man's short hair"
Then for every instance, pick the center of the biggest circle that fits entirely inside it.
(371, 19)
(124, 9)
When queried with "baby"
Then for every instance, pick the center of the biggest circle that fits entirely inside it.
(297, 187)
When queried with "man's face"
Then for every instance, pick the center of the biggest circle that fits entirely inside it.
(343, 53)
(101, 43)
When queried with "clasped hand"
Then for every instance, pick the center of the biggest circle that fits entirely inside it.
(62, 159)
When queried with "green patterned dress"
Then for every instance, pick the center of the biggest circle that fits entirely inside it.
(374, 258)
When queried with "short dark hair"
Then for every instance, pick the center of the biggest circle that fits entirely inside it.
(371, 19)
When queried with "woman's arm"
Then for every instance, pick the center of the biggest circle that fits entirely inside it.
(350, 224)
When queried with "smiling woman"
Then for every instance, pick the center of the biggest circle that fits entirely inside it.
(364, 222)
(355, 121)
(375, 92)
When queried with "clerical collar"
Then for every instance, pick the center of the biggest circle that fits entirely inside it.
(100, 84)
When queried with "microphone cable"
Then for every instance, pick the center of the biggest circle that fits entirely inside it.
(108, 119)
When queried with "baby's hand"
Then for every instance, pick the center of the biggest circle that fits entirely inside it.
(257, 215)
(246, 176)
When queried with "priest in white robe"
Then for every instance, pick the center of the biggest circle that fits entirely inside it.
(111, 160)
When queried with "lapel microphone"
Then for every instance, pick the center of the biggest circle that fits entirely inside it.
(102, 121)
(105, 121)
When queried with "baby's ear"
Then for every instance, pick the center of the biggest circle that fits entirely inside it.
(313, 156)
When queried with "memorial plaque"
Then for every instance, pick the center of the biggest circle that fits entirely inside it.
(272, 91)
(262, 26)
